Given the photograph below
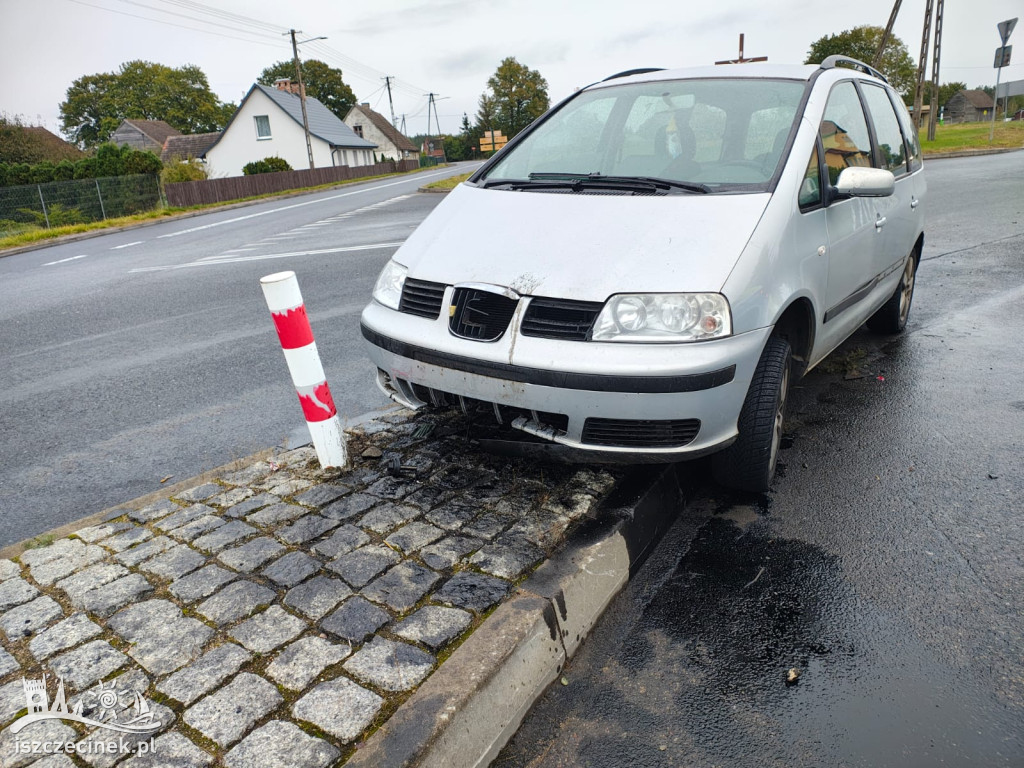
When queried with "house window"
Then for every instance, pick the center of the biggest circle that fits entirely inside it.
(359, 130)
(262, 127)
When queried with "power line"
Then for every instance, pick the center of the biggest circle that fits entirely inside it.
(172, 24)
(192, 18)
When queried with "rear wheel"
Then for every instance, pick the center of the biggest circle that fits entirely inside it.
(892, 316)
(749, 463)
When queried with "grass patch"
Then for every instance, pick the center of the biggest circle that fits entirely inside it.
(41, 541)
(967, 136)
(449, 183)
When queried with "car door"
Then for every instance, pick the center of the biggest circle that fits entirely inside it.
(898, 224)
(846, 143)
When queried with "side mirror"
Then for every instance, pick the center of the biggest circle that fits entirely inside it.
(865, 182)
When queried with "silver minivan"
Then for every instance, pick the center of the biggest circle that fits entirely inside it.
(647, 268)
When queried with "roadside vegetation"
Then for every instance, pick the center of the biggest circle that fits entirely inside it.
(973, 136)
(449, 183)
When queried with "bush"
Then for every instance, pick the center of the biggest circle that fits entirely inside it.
(86, 168)
(58, 216)
(189, 170)
(266, 165)
(42, 173)
(18, 174)
(64, 171)
(138, 162)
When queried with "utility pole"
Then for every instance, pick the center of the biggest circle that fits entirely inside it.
(933, 115)
(302, 91)
(302, 97)
(741, 59)
(432, 99)
(877, 61)
(387, 82)
(922, 62)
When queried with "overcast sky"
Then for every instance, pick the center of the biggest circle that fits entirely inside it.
(449, 47)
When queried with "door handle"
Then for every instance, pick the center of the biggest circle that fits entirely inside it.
(880, 222)
(914, 202)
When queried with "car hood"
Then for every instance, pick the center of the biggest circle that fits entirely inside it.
(582, 246)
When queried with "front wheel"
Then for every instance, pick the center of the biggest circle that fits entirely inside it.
(892, 316)
(749, 463)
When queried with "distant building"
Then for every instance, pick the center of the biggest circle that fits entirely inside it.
(373, 126)
(968, 107)
(268, 123)
(144, 134)
(187, 145)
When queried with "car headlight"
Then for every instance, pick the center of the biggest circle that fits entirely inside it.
(388, 290)
(653, 317)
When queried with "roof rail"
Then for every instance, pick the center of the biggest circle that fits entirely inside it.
(832, 61)
(630, 72)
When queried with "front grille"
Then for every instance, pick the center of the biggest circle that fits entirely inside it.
(421, 297)
(480, 315)
(560, 318)
(502, 414)
(629, 433)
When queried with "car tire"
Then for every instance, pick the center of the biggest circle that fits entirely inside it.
(749, 463)
(892, 316)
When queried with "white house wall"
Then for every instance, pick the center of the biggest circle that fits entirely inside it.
(385, 147)
(239, 145)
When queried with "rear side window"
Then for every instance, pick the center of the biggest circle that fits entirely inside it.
(844, 131)
(891, 150)
(909, 132)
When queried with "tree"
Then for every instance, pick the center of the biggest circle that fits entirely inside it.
(861, 43)
(140, 90)
(323, 83)
(517, 96)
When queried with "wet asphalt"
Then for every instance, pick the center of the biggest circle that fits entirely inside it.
(885, 565)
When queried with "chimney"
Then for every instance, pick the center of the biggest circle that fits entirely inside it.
(286, 84)
(365, 104)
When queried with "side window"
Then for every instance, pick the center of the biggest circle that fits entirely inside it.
(909, 132)
(893, 154)
(810, 188)
(844, 131)
(262, 126)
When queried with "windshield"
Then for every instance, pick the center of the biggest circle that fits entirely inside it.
(721, 134)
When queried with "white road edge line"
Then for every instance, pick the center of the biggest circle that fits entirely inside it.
(127, 245)
(63, 261)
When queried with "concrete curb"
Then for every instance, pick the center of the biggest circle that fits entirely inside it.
(971, 153)
(471, 706)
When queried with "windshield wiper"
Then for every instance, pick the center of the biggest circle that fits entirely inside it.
(656, 181)
(580, 181)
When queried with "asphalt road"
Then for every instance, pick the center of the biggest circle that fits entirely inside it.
(886, 564)
(149, 353)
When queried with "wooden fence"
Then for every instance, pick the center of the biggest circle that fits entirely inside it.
(186, 193)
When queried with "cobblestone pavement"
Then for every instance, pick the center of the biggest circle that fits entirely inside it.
(278, 614)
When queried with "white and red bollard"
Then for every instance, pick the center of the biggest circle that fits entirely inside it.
(286, 307)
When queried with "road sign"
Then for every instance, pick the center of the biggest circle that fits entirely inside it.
(1003, 56)
(1006, 28)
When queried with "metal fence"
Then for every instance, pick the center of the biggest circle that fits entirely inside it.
(57, 203)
